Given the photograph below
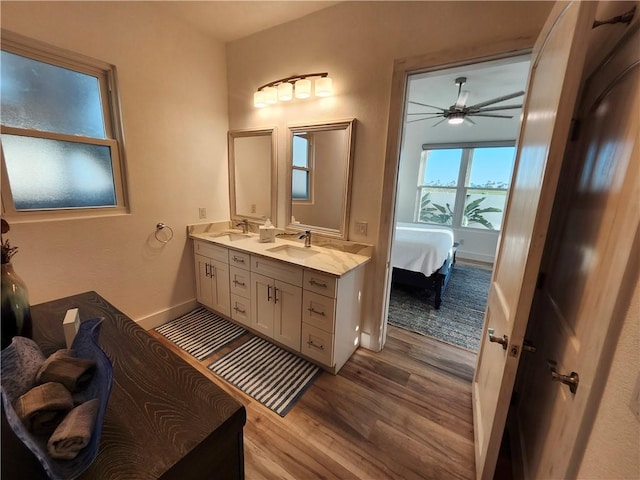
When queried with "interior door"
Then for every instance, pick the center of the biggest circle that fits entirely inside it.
(591, 269)
(556, 69)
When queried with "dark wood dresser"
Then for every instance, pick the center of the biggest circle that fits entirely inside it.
(164, 418)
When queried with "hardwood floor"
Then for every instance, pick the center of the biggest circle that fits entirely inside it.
(402, 413)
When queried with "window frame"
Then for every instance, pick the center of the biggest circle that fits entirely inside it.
(105, 73)
(309, 169)
(461, 187)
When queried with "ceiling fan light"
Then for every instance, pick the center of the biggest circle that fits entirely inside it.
(455, 119)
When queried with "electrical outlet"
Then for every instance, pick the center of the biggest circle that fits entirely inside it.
(202, 213)
(361, 227)
(461, 241)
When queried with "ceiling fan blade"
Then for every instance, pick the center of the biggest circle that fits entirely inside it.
(467, 119)
(462, 98)
(496, 100)
(425, 113)
(490, 115)
(425, 118)
(494, 109)
(438, 123)
(426, 105)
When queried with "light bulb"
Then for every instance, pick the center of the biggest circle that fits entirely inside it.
(324, 87)
(271, 94)
(455, 119)
(258, 100)
(285, 92)
(303, 88)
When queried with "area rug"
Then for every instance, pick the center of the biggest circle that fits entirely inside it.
(274, 377)
(460, 317)
(200, 332)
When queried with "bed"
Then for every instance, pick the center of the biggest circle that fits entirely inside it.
(423, 257)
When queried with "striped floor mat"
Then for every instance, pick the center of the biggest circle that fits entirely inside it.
(200, 332)
(271, 375)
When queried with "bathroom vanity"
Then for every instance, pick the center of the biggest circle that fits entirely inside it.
(306, 299)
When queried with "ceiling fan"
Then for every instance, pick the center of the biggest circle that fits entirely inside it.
(459, 112)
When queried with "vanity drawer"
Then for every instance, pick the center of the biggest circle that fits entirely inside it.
(239, 259)
(317, 344)
(240, 282)
(282, 271)
(209, 250)
(241, 309)
(318, 310)
(321, 283)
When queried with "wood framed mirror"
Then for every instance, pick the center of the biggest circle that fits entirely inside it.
(253, 174)
(320, 162)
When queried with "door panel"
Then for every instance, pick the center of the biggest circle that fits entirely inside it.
(591, 266)
(557, 63)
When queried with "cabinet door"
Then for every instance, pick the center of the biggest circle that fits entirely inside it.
(262, 306)
(220, 287)
(288, 314)
(204, 291)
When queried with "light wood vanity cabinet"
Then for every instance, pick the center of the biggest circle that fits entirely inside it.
(310, 312)
(212, 277)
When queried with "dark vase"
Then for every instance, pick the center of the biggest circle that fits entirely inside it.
(16, 314)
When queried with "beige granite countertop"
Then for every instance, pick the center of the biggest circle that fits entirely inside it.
(327, 258)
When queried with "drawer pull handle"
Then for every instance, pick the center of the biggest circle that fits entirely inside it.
(268, 293)
(238, 259)
(239, 310)
(318, 284)
(238, 282)
(275, 294)
(311, 344)
(207, 268)
(313, 310)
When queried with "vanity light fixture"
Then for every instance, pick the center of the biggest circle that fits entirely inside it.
(299, 86)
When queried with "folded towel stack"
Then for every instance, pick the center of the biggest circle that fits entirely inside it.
(74, 433)
(42, 408)
(65, 368)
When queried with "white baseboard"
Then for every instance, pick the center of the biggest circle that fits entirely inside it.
(163, 316)
(475, 257)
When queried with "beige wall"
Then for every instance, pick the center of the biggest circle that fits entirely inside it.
(173, 94)
(613, 450)
(357, 43)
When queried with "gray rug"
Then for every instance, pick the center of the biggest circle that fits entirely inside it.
(271, 375)
(200, 332)
(460, 317)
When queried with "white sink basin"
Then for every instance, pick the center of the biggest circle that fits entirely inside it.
(293, 251)
(232, 236)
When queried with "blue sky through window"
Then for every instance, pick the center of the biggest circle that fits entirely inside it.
(491, 167)
(442, 167)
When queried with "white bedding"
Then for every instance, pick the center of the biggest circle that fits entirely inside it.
(421, 249)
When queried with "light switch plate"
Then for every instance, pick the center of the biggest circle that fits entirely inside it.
(361, 228)
(202, 213)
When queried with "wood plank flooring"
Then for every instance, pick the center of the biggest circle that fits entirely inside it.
(402, 413)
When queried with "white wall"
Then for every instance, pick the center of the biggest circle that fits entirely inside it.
(172, 84)
(357, 43)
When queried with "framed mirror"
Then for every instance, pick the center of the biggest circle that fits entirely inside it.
(320, 159)
(253, 174)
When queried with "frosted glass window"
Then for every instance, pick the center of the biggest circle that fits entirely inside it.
(301, 169)
(61, 133)
(51, 174)
(300, 185)
(40, 96)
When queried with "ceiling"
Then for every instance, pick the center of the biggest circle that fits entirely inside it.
(485, 81)
(230, 20)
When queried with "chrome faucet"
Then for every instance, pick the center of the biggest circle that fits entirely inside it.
(245, 226)
(307, 238)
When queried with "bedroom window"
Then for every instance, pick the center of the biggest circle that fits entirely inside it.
(302, 168)
(464, 187)
(61, 139)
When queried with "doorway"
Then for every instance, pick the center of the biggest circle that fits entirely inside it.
(457, 147)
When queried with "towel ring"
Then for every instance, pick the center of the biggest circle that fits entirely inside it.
(159, 228)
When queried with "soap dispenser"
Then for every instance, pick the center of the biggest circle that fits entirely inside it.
(267, 232)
